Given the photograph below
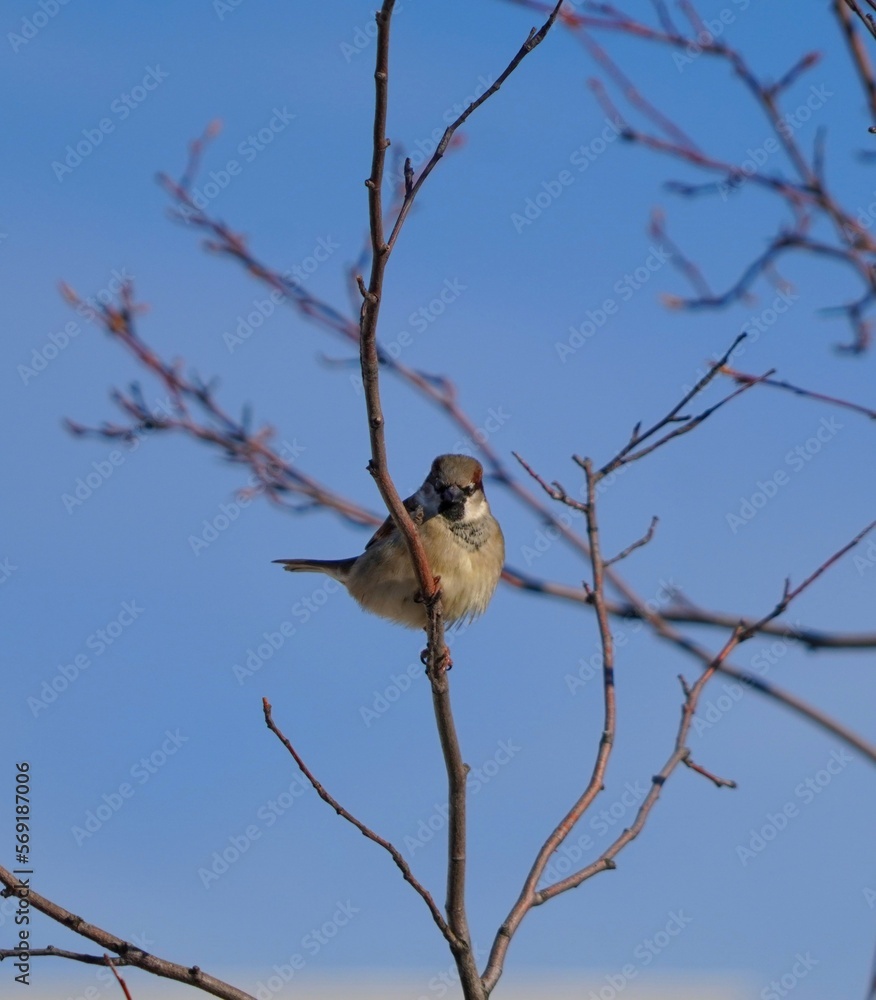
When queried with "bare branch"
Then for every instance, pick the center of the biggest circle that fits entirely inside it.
(50, 951)
(132, 955)
(535, 38)
(858, 53)
(742, 378)
(366, 831)
(638, 437)
(717, 781)
(812, 639)
(555, 491)
(529, 895)
(649, 534)
(681, 753)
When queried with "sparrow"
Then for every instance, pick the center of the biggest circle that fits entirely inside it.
(463, 543)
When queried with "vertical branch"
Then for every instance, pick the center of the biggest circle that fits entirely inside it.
(529, 895)
(435, 657)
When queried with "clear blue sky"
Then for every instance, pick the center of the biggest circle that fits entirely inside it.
(115, 581)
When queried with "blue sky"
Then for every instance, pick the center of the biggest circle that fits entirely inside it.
(161, 624)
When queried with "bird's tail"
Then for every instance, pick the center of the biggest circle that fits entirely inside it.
(337, 568)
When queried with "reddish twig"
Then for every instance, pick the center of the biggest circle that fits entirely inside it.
(124, 986)
(714, 778)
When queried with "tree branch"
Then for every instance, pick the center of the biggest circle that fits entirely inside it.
(191, 976)
(529, 894)
(681, 753)
(366, 831)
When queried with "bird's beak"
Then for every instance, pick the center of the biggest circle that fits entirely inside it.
(451, 496)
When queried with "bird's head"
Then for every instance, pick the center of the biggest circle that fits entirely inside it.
(457, 482)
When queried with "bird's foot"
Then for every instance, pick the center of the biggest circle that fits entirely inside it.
(444, 661)
(433, 597)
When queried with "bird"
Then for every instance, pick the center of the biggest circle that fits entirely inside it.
(463, 543)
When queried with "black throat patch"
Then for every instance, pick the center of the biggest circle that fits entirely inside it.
(472, 534)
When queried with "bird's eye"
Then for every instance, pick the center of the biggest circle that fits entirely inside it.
(469, 490)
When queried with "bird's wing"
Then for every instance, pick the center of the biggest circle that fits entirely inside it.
(388, 529)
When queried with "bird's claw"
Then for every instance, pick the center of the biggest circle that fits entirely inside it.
(436, 593)
(444, 661)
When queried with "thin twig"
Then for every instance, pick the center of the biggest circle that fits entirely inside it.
(366, 831)
(714, 778)
(124, 986)
(535, 38)
(776, 383)
(649, 534)
(50, 951)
